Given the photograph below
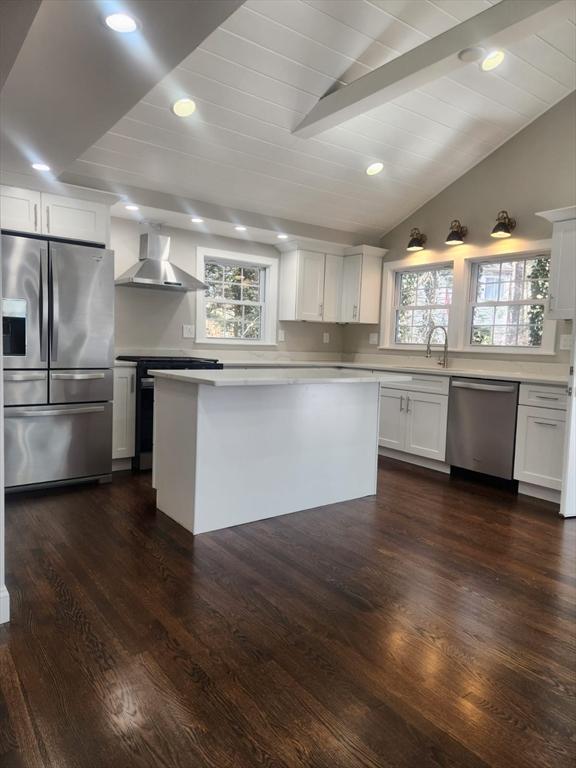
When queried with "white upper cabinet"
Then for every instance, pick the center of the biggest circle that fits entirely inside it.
(331, 288)
(562, 302)
(74, 219)
(19, 209)
(361, 286)
(27, 211)
(310, 296)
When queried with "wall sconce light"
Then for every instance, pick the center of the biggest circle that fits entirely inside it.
(504, 225)
(457, 233)
(417, 240)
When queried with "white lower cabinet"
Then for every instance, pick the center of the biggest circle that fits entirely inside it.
(124, 413)
(413, 422)
(540, 446)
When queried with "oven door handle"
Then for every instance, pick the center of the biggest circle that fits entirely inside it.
(147, 383)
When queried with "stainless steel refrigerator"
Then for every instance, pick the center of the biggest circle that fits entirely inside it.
(58, 347)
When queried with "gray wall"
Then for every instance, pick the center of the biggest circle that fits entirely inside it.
(151, 321)
(534, 171)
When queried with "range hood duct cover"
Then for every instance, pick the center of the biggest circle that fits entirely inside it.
(154, 270)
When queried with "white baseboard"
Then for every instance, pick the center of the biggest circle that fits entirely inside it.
(420, 461)
(121, 465)
(538, 492)
(4, 605)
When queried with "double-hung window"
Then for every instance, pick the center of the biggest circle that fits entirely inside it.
(508, 302)
(422, 300)
(240, 302)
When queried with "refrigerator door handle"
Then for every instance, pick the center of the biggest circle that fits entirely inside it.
(18, 412)
(55, 294)
(43, 325)
(77, 376)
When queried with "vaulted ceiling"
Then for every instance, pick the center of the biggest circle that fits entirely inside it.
(266, 66)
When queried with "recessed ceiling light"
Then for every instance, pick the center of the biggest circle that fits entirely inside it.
(282, 237)
(184, 107)
(240, 228)
(492, 60)
(131, 207)
(40, 167)
(374, 168)
(121, 22)
(197, 220)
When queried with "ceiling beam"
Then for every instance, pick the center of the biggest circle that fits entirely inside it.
(499, 25)
(74, 78)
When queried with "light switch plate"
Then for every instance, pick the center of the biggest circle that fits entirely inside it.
(188, 331)
(373, 338)
(281, 335)
(326, 337)
(565, 341)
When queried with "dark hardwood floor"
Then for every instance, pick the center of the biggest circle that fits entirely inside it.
(429, 626)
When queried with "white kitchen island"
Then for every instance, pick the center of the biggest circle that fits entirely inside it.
(235, 446)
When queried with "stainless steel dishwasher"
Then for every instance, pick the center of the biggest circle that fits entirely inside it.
(482, 426)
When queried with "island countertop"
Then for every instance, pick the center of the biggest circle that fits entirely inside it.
(276, 377)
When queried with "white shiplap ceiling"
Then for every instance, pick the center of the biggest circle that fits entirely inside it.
(263, 70)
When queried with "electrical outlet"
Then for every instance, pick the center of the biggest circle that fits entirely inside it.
(373, 339)
(281, 335)
(188, 331)
(565, 341)
(326, 337)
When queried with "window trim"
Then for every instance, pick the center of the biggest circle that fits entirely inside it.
(460, 313)
(270, 306)
(396, 297)
(549, 326)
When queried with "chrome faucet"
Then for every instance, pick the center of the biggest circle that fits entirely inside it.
(443, 361)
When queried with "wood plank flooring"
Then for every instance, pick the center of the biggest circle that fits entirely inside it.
(431, 626)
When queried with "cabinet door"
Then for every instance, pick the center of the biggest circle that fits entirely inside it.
(310, 286)
(351, 285)
(426, 425)
(74, 219)
(562, 303)
(124, 413)
(19, 209)
(540, 446)
(392, 424)
(332, 288)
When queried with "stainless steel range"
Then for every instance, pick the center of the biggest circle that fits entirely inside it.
(145, 398)
(58, 334)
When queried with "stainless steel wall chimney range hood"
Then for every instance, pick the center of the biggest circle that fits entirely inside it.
(154, 270)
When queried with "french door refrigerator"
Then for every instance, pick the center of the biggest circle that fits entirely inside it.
(57, 328)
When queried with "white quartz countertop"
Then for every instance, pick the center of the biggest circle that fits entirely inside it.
(501, 375)
(124, 364)
(275, 376)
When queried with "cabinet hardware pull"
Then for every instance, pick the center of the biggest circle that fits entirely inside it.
(321, 309)
(546, 423)
(131, 383)
(35, 217)
(401, 402)
(547, 397)
(48, 218)
(408, 404)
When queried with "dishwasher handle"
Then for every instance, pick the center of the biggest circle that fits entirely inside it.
(484, 387)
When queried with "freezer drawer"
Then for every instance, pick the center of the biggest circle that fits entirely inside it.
(81, 386)
(25, 387)
(46, 444)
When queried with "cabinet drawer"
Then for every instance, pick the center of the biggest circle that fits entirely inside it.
(419, 383)
(543, 396)
(540, 439)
